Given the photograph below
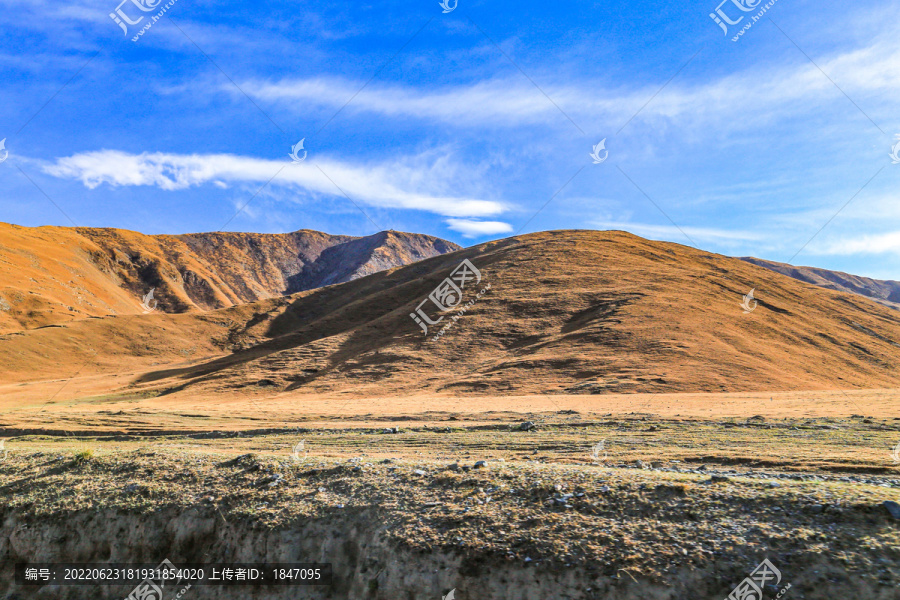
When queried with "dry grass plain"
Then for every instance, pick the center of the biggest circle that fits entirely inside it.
(853, 430)
(675, 501)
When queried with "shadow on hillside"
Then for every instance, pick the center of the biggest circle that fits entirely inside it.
(335, 310)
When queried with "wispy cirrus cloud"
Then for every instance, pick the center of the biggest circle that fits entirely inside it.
(418, 183)
(704, 234)
(470, 228)
(878, 243)
(477, 103)
(512, 101)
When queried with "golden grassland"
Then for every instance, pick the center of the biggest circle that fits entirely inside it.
(703, 492)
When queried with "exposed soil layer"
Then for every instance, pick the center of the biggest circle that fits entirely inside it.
(416, 528)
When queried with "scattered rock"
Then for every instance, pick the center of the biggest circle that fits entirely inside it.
(480, 464)
(453, 467)
(893, 508)
(419, 472)
(271, 480)
(718, 479)
(526, 426)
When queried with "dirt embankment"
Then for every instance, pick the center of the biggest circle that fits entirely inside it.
(366, 562)
(415, 529)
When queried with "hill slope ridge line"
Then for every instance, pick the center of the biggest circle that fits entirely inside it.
(566, 312)
(53, 275)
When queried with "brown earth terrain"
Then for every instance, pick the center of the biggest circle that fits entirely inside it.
(567, 312)
(53, 275)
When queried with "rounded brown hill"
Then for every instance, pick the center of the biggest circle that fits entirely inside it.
(566, 312)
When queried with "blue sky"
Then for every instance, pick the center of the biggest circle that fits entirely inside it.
(462, 124)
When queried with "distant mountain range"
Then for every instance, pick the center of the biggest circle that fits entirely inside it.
(567, 312)
(51, 275)
(884, 292)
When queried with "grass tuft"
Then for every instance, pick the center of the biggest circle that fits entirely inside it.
(83, 456)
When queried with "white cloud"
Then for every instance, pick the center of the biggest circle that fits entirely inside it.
(471, 229)
(879, 243)
(478, 103)
(419, 183)
(872, 71)
(670, 232)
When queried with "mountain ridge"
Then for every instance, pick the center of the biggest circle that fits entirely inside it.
(52, 275)
(567, 312)
(883, 291)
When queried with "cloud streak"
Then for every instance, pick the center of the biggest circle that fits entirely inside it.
(471, 229)
(879, 243)
(867, 71)
(667, 231)
(413, 183)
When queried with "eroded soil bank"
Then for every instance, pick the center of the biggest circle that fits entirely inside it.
(408, 529)
(367, 563)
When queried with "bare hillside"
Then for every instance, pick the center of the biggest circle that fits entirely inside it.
(567, 312)
(52, 275)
